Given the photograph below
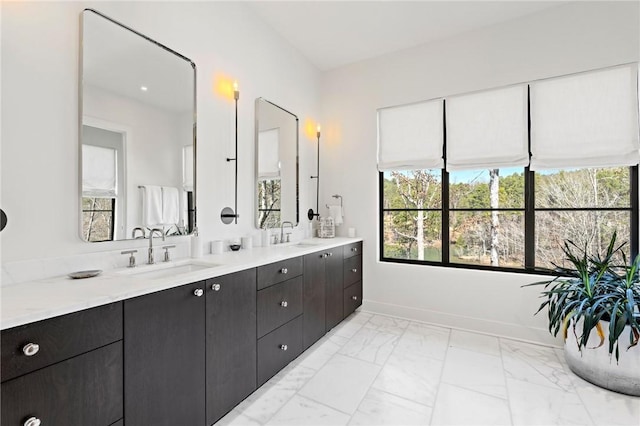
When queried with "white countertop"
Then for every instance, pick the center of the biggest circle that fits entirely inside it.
(32, 301)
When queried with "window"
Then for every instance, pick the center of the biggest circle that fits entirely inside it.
(98, 218)
(500, 179)
(491, 232)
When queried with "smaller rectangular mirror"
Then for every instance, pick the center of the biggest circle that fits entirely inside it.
(276, 141)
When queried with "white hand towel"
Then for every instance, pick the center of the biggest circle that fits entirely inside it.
(336, 213)
(170, 205)
(151, 205)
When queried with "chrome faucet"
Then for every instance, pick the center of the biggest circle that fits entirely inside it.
(151, 232)
(137, 228)
(282, 230)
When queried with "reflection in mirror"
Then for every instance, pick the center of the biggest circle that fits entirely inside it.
(276, 165)
(137, 136)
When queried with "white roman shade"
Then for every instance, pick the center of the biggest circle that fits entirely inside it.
(99, 171)
(187, 167)
(411, 137)
(488, 130)
(269, 154)
(586, 120)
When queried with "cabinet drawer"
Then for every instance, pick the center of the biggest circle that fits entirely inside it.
(279, 304)
(59, 338)
(279, 348)
(81, 391)
(353, 249)
(279, 271)
(352, 270)
(352, 298)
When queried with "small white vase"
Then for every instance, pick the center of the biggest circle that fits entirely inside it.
(597, 367)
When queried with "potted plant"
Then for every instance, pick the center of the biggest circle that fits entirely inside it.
(595, 303)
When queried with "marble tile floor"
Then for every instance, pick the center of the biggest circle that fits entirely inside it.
(379, 370)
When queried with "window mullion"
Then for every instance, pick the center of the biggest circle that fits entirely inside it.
(445, 217)
(635, 216)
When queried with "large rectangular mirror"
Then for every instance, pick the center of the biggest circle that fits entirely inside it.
(137, 134)
(276, 165)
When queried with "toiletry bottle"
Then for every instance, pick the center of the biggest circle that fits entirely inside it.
(196, 244)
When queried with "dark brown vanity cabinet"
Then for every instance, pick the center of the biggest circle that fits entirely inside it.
(323, 293)
(280, 307)
(64, 371)
(164, 357)
(231, 341)
(352, 275)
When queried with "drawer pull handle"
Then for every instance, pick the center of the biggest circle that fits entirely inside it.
(354, 270)
(32, 421)
(284, 347)
(284, 304)
(354, 297)
(354, 249)
(215, 287)
(198, 292)
(30, 349)
(284, 270)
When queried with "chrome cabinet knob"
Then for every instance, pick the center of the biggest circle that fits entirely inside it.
(198, 292)
(325, 255)
(32, 421)
(330, 254)
(215, 287)
(284, 270)
(30, 349)
(354, 297)
(284, 304)
(354, 249)
(354, 270)
(284, 347)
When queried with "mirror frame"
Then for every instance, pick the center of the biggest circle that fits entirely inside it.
(81, 117)
(256, 160)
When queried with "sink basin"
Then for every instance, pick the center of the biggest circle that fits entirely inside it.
(306, 244)
(167, 269)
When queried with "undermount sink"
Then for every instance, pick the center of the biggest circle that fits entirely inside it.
(167, 269)
(306, 244)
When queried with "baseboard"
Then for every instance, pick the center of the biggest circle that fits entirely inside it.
(521, 333)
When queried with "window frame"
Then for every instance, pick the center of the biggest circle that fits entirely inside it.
(112, 221)
(529, 211)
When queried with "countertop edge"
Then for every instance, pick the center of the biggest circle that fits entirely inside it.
(62, 295)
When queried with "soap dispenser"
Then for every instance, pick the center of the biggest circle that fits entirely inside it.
(196, 244)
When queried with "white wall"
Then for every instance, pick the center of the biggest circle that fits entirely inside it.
(40, 46)
(557, 41)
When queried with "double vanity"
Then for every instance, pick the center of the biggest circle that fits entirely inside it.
(177, 343)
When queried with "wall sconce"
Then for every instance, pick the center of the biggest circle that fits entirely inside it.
(310, 213)
(227, 215)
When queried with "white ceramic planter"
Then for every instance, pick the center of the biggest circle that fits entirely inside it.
(595, 365)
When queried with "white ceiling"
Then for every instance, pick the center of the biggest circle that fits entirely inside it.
(335, 33)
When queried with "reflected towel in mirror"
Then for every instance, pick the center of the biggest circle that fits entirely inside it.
(151, 205)
(170, 205)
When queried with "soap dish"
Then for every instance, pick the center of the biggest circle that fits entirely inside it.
(85, 274)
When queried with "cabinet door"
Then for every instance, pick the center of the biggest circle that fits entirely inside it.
(334, 288)
(314, 298)
(164, 358)
(81, 391)
(231, 341)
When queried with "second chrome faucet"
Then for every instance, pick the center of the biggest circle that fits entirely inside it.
(151, 232)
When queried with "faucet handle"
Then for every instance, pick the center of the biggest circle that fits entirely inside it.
(288, 236)
(132, 258)
(166, 252)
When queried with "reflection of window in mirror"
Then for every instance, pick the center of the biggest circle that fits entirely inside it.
(269, 178)
(102, 183)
